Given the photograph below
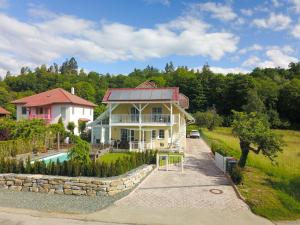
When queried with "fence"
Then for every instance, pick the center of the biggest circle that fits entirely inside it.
(222, 162)
(169, 161)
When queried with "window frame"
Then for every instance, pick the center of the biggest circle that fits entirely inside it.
(24, 109)
(161, 136)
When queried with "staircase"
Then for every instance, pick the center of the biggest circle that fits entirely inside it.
(176, 141)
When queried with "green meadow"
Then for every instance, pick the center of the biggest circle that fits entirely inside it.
(271, 189)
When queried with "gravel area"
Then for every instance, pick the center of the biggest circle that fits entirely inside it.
(56, 203)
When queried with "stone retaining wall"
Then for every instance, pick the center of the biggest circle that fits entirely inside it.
(90, 186)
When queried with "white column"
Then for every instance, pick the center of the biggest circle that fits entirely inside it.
(140, 126)
(109, 135)
(171, 120)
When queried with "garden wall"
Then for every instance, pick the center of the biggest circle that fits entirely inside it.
(90, 186)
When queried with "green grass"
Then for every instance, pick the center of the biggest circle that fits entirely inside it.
(271, 190)
(112, 157)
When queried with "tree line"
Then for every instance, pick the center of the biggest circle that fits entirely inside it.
(274, 92)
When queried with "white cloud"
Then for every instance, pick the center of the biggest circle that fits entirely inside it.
(217, 10)
(247, 12)
(4, 4)
(274, 21)
(36, 43)
(296, 30)
(296, 5)
(276, 3)
(252, 61)
(276, 57)
(228, 70)
(163, 2)
(255, 47)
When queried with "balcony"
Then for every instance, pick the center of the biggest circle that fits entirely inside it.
(46, 117)
(163, 119)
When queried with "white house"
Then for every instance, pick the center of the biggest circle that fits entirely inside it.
(145, 117)
(54, 104)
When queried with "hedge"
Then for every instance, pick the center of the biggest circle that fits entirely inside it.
(74, 168)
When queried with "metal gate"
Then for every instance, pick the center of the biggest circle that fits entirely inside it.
(169, 161)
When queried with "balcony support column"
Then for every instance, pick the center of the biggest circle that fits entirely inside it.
(140, 126)
(171, 123)
(109, 132)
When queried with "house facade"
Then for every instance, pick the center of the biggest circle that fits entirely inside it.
(146, 117)
(53, 105)
(4, 112)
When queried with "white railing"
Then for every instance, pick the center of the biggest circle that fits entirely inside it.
(136, 145)
(145, 118)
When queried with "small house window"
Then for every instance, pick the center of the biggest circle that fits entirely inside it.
(153, 134)
(73, 110)
(24, 110)
(90, 112)
(82, 111)
(39, 110)
(161, 134)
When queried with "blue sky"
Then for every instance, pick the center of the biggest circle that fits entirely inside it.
(117, 36)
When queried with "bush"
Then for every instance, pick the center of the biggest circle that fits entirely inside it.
(75, 168)
(236, 175)
(81, 151)
(216, 147)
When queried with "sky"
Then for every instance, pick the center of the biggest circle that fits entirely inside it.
(117, 36)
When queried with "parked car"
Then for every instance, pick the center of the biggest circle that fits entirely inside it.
(194, 134)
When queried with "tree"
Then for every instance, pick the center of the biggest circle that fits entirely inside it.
(169, 68)
(209, 119)
(81, 126)
(255, 135)
(80, 152)
(71, 127)
(254, 103)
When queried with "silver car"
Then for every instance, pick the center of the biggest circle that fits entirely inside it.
(194, 134)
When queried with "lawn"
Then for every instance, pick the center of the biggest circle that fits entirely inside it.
(112, 157)
(271, 190)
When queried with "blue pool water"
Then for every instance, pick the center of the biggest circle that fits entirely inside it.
(53, 158)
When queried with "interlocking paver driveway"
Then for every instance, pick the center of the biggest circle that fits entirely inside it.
(190, 189)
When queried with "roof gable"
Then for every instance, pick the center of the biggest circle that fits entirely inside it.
(4, 111)
(54, 96)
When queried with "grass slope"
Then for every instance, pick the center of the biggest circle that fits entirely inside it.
(271, 190)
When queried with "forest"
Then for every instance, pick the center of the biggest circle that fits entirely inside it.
(274, 92)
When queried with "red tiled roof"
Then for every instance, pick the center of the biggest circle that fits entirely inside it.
(4, 111)
(55, 96)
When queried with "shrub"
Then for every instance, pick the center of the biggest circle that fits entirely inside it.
(217, 147)
(236, 175)
(80, 152)
(78, 168)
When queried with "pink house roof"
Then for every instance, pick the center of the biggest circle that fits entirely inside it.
(55, 96)
(4, 111)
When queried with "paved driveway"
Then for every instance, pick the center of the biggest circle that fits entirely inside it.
(194, 188)
(172, 197)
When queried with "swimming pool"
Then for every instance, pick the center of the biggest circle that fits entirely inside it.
(53, 158)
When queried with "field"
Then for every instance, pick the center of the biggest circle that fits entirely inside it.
(272, 190)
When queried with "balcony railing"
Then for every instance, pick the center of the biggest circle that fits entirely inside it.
(40, 116)
(145, 118)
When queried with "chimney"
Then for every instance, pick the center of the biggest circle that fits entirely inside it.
(72, 90)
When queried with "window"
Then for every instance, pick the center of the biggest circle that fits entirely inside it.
(124, 135)
(153, 134)
(24, 110)
(134, 115)
(73, 110)
(157, 110)
(82, 111)
(156, 114)
(90, 112)
(39, 110)
(161, 134)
